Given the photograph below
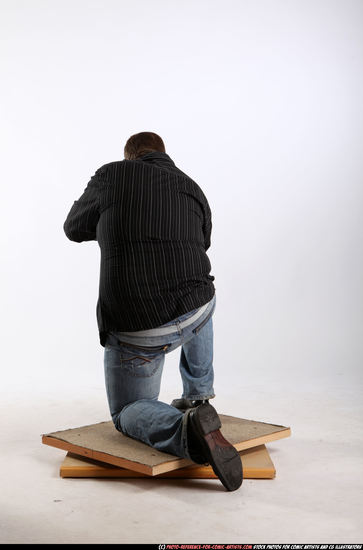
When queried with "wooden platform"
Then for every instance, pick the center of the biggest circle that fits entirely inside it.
(104, 443)
(256, 462)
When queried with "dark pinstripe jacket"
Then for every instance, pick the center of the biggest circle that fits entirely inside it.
(153, 225)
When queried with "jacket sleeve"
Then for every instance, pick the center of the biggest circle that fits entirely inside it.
(82, 219)
(207, 223)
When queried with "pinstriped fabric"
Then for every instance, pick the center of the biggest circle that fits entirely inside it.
(153, 225)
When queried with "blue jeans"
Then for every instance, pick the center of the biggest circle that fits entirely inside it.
(133, 367)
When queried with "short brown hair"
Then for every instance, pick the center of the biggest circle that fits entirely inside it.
(141, 143)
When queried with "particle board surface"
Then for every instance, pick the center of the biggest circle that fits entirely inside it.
(256, 462)
(104, 443)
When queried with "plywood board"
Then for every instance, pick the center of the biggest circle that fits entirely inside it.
(104, 443)
(257, 464)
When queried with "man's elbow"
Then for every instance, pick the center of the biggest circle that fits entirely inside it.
(71, 234)
(79, 236)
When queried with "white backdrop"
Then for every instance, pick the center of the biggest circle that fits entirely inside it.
(260, 103)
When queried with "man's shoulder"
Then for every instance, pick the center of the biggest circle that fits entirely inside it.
(110, 171)
(117, 166)
(114, 168)
(110, 165)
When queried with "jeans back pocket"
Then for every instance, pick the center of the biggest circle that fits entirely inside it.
(141, 361)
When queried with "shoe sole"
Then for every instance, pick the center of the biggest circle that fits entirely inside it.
(222, 456)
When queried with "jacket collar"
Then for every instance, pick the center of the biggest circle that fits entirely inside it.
(157, 157)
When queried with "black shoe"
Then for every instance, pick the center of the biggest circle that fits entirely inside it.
(206, 442)
(183, 403)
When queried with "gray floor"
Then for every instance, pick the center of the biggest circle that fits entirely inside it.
(316, 496)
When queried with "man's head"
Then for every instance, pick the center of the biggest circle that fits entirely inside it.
(142, 143)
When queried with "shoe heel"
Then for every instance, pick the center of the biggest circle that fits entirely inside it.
(208, 418)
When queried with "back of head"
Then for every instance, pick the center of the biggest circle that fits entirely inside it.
(141, 143)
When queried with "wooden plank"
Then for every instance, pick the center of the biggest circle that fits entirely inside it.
(257, 464)
(104, 443)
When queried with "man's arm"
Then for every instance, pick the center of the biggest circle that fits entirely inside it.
(207, 225)
(82, 220)
(207, 218)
